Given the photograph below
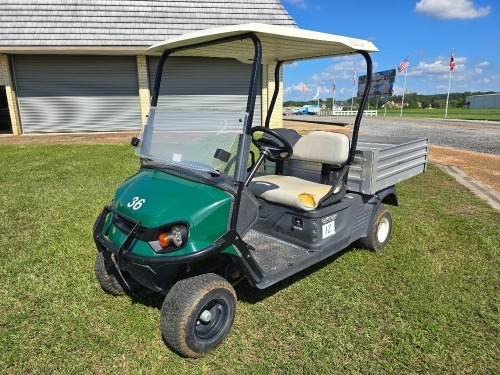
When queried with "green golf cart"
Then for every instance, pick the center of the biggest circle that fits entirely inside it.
(218, 200)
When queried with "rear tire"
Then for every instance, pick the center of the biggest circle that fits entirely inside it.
(197, 314)
(109, 278)
(379, 232)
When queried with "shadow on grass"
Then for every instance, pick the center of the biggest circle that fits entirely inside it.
(245, 292)
(147, 298)
(249, 294)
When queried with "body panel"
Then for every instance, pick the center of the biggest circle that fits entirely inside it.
(161, 198)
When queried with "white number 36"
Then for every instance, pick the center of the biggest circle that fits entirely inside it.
(136, 203)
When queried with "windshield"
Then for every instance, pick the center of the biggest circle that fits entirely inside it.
(191, 136)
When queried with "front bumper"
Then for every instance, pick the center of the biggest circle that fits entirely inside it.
(135, 232)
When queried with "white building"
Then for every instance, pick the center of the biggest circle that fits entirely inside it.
(486, 101)
(72, 66)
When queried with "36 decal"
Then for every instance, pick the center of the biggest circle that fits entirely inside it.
(136, 203)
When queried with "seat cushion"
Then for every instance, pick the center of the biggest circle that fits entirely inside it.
(322, 147)
(289, 191)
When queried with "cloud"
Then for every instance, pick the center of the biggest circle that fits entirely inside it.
(479, 67)
(323, 76)
(451, 9)
(431, 76)
(341, 70)
(438, 68)
(301, 4)
(297, 89)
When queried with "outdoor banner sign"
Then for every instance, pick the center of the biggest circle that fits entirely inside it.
(382, 83)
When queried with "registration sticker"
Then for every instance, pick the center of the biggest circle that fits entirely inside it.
(328, 229)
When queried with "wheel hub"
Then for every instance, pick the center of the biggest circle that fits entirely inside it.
(206, 316)
(383, 230)
(211, 319)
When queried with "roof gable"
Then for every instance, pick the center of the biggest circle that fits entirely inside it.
(124, 23)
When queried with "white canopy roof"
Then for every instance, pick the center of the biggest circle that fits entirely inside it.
(278, 43)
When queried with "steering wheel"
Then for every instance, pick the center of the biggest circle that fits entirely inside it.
(269, 147)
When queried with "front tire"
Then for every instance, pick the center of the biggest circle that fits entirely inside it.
(197, 314)
(379, 232)
(109, 279)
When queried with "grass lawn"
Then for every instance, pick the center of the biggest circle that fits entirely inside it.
(453, 113)
(429, 303)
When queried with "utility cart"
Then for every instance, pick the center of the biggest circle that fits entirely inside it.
(218, 199)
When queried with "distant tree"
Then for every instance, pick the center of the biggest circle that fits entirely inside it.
(439, 103)
(456, 100)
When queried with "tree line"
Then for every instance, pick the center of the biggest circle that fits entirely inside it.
(411, 100)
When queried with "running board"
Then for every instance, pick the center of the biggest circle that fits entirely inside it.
(279, 259)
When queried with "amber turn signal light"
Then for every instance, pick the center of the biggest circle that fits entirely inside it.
(164, 240)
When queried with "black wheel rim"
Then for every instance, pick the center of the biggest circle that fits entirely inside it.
(207, 329)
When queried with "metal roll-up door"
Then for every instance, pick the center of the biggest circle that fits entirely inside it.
(60, 93)
(206, 82)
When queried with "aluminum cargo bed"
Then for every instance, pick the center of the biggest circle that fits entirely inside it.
(384, 161)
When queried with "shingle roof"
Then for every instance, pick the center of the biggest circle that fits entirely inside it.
(123, 23)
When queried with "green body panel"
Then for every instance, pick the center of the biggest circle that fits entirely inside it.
(167, 199)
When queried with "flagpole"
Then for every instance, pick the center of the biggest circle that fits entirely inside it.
(333, 99)
(403, 98)
(402, 66)
(447, 97)
(449, 85)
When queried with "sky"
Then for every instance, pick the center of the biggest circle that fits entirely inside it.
(426, 30)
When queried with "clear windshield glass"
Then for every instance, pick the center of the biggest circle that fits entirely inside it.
(189, 136)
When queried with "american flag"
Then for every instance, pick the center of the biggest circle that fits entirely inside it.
(333, 87)
(452, 61)
(304, 89)
(403, 65)
(354, 79)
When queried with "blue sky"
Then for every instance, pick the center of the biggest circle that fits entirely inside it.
(427, 30)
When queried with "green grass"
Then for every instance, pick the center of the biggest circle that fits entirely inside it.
(429, 303)
(453, 113)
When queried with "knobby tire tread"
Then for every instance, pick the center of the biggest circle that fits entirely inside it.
(180, 303)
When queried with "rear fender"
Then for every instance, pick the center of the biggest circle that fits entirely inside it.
(388, 196)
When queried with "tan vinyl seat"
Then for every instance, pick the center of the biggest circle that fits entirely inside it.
(321, 147)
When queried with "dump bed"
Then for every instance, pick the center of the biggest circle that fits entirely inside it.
(380, 162)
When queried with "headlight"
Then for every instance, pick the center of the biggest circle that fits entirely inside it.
(179, 235)
(176, 236)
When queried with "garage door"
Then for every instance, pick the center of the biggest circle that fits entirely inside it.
(205, 83)
(77, 93)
